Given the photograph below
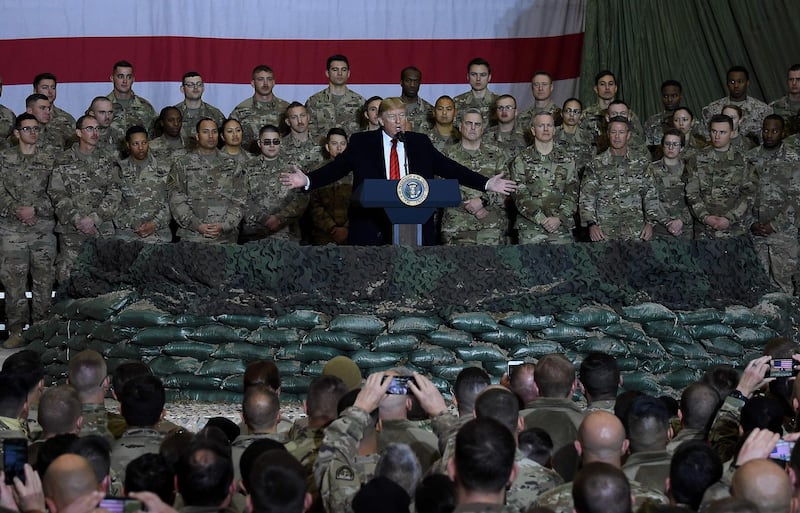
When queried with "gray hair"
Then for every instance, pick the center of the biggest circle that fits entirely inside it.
(399, 463)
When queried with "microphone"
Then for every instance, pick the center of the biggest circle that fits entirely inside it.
(400, 136)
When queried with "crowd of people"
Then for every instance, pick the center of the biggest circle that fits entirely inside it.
(581, 172)
(549, 438)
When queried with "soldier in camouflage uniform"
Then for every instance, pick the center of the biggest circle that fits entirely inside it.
(231, 137)
(261, 411)
(419, 112)
(547, 193)
(328, 205)
(480, 97)
(336, 105)
(508, 134)
(50, 139)
(572, 137)
(263, 108)
(594, 120)
(171, 144)
(143, 212)
(129, 109)
(348, 454)
(297, 145)
(776, 205)
(207, 191)
(617, 199)
(443, 132)
(13, 408)
(542, 90)
(738, 142)
(720, 186)
(111, 139)
(193, 108)
(657, 124)
(788, 107)
(618, 108)
(85, 194)
(481, 219)
(669, 176)
(272, 209)
(6, 120)
(370, 112)
(26, 226)
(753, 110)
(88, 373)
(683, 119)
(60, 120)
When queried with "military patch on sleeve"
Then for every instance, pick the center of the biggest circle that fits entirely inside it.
(345, 474)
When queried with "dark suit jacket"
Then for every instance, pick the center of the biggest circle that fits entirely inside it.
(364, 157)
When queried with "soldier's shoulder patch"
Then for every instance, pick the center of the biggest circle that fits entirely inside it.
(345, 474)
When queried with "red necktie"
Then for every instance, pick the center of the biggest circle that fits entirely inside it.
(394, 162)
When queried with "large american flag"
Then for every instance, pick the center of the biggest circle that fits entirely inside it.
(80, 40)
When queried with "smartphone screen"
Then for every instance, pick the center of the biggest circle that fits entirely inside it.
(121, 505)
(15, 456)
(782, 451)
(781, 368)
(511, 365)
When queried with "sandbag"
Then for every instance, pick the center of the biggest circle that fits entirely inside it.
(495, 368)
(528, 321)
(302, 319)
(124, 350)
(702, 316)
(221, 368)
(314, 369)
(627, 363)
(693, 350)
(191, 382)
(608, 345)
(648, 312)
(680, 379)
(427, 357)
(161, 335)
(56, 341)
(740, 316)
(414, 325)
(506, 337)
(450, 338)
(76, 343)
(102, 307)
(288, 367)
(723, 346)
(640, 381)
(54, 355)
(536, 349)
(242, 350)
(268, 336)
(166, 365)
(647, 349)
(192, 321)
(218, 334)
(199, 350)
(703, 331)
(564, 333)
(142, 315)
(250, 322)
(755, 337)
(668, 331)
(296, 384)
(473, 322)
(450, 372)
(589, 317)
(397, 343)
(71, 328)
(113, 332)
(480, 353)
(233, 383)
(306, 352)
(341, 340)
(360, 324)
(368, 360)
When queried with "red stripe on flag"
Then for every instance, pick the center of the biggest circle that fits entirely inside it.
(166, 58)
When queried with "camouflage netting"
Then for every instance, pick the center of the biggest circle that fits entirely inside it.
(197, 314)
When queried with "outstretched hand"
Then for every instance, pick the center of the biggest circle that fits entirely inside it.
(498, 184)
(295, 179)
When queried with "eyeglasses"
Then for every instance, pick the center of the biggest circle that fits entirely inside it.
(573, 112)
(30, 129)
(270, 142)
(193, 85)
(672, 144)
(505, 107)
(94, 128)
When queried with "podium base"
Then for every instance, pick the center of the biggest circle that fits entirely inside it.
(407, 235)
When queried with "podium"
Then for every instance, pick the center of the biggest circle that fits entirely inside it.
(407, 220)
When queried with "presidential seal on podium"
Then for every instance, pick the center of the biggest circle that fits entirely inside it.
(412, 190)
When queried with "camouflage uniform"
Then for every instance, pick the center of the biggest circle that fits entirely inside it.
(53, 138)
(328, 207)
(578, 145)
(559, 499)
(753, 113)
(483, 507)
(111, 140)
(525, 120)
(81, 186)
(724, 433)
(117, 425)
(439, 141)
(403, 431)
(789, 111)
(656, 125)
(242, 442)
(7, 118)
(95, 421)
(207, 189)
(684, 435)
(134, 443)
(63, 124)
(306, 154)
(10, 428)
(24, 249)
(192, 116)
(305, 446)
(266, 196)
(670, 183)
(459, 227)
(776, 202)
(617, 195)
(593, 124)
(650, 468)
(512, 143)
(720, 183)
(532, 480)
(339, 471)
(468, 100)
(170, 149)
(145, 197)
(419, 114)
(253, 115)
(326, 111)
(547, 187)
(135, 111)
(561, 418)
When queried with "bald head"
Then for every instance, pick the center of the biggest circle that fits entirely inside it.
(67, 478)
(765, 484)
(601, 436)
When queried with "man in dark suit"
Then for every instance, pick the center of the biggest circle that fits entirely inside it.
(377, 155)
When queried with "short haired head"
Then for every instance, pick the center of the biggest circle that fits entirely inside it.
(599, 374)
(604, 73)
(730, 505)
(406, 69)
(601, 488)
(260, 408)
(521, 382)
(536, 444)
(619, 119)
(324, 393)
(142, 401)
(25, 116)
(205, 474)
(554, 376)
(677, 133)
(774, 117)
(189, 74)
(135, 129)
(693, 468)
(470, 382)
(26, 363)
(399, 464)
(765, 484)
(150, 473)
(263, 372)
(43, 76)
(699, 403)
(122, 64)
(735, 108)
(166, 110)
(336, 57)
(648, 424)
(671, 83)
(59, 410)
(97, 451)
(261, 68)
(251, 455)
(391, 103)
(87, 369)
(13, 395)
(763, 412)
(278, 484)
(435, 494)
(484, 456)
(722, 378)
(335, 131)
(500, 404)
(264, 130)
(51, 449)
(738, 69)
(479, 61)
(601, 436)
(67, 478)
(721, 118)
(126, 371)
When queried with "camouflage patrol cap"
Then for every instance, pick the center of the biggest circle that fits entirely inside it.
(345, 369)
